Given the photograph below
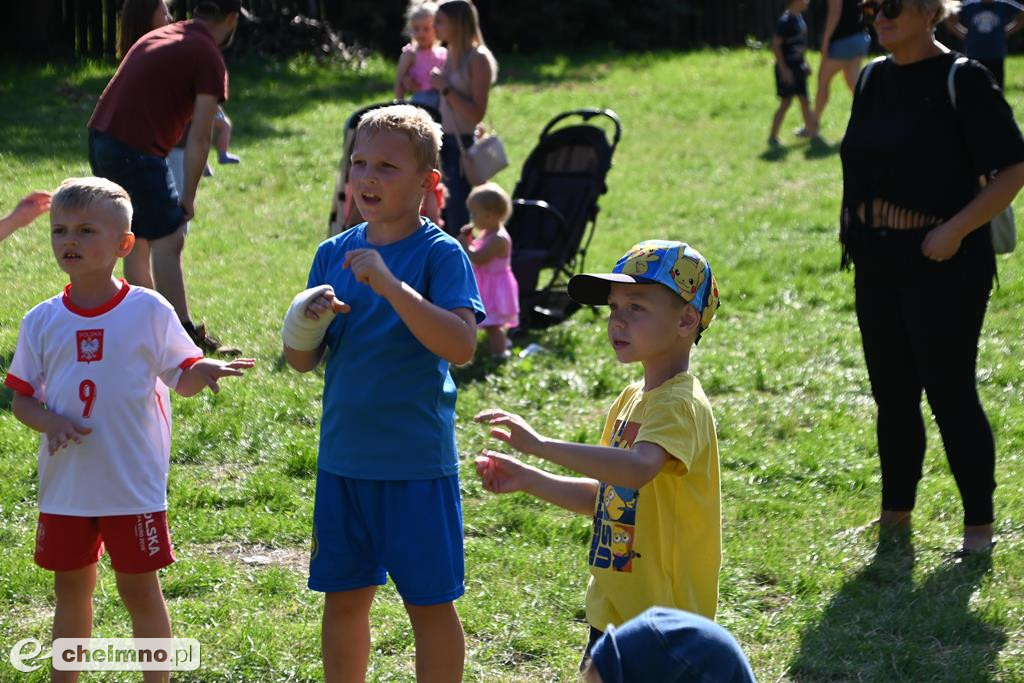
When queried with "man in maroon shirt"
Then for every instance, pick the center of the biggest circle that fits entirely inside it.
(171, 76)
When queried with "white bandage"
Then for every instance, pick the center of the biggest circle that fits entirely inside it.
(302, 333)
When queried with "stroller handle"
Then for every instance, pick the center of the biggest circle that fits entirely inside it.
(586, 114)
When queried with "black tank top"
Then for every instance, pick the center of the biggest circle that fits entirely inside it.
(849, 21)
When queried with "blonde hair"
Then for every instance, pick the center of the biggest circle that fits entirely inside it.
(465, 32)
(942, 8)
(418, 10)
(492, 198)
(77, 193)
(423, 132)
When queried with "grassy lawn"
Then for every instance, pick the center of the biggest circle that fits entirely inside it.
(801, 586)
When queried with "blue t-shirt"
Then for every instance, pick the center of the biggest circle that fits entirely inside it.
(389, 403)
(986, 27)
(793, 31)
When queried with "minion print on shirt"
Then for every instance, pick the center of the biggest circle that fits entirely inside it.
(615, 514)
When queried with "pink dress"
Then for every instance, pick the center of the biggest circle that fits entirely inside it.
(498, 289)
(423, 62)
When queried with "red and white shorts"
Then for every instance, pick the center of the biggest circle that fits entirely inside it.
(136, 543)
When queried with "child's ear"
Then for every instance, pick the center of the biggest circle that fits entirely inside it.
(689, 321)
(127, 243)
(432, 179)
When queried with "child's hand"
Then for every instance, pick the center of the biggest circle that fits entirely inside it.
(517, 433)
(501, 473)
(308, 316)
(466, 234)
(437, 79)
(28, 209)
(370, 269)
(210, 371)
(61, 431)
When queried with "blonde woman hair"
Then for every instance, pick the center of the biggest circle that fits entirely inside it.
(491, 198)
(419, 10)
(423, 132)
(942, 8)
(465, 32)
(77, 193)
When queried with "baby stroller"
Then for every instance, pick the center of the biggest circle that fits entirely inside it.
(555, 212)
(344, 213)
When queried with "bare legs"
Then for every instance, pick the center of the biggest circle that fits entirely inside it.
(141, 595)
(497, 341)
(440, 643)
(828, 69)
(156, 264)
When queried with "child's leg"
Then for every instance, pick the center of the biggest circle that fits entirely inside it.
(497, 340)
(345, 635)
(144, 600)
(72, 617)
(222, 128)
(780, 114)
(810, 125)
(440, 642)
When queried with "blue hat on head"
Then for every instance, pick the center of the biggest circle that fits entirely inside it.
(676, 265)
(669, 646)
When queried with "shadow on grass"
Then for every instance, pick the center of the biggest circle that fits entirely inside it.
(881, 627)
(820, 149)
(774, 154)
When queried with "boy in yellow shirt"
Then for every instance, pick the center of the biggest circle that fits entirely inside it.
(652, 485)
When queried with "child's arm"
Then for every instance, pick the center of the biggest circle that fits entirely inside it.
(207, 372)
(631, 468)
(305, 325)
(58, 429)
(448, 334)
(954, 26)
(404, 62)
(496, 247)
(504, 474)
(780, 61)
(27, 210)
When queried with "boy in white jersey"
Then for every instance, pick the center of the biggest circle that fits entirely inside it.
(91, 373)
(652, 485)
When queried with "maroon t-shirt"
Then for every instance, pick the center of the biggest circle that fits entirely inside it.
(149, 101)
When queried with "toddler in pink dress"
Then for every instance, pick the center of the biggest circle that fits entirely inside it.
(490, 251)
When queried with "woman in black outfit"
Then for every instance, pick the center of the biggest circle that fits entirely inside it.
(915, 226)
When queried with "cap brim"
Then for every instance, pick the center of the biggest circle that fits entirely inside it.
(591, 289)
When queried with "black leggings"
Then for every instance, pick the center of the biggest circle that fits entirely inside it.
(919, 335)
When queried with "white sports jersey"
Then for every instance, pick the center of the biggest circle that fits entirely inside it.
(107, 368)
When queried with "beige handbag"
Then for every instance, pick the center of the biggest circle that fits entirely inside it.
(482, 160)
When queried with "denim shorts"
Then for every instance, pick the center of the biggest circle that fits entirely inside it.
(367, 529)
(850, 47)
(156, 207)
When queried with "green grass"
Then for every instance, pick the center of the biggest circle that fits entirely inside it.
(801, 589)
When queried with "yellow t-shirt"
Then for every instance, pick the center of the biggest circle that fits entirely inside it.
(660, 545)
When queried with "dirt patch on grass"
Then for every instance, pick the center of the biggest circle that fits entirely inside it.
(259, 555)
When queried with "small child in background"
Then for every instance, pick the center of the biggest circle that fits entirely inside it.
(222, 131)
(27, 210)
(423, 54)
(490, 251)
(984, 26)
(789, 44)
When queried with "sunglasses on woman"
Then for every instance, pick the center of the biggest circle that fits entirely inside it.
(869, 9)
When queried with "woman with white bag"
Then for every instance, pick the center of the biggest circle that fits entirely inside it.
(465, 85)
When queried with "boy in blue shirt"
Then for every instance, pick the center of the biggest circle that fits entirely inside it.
(984, 25)
(390, 304)
(789, 45)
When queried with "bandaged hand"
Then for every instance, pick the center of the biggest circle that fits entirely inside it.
(306, 321)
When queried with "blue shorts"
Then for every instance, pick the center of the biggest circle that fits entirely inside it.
(365, 530)
(156, 208)
(850, 47)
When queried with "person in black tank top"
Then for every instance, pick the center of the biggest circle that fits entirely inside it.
(844, 44)
(915, 227)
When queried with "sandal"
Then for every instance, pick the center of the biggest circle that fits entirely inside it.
(210, 344)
